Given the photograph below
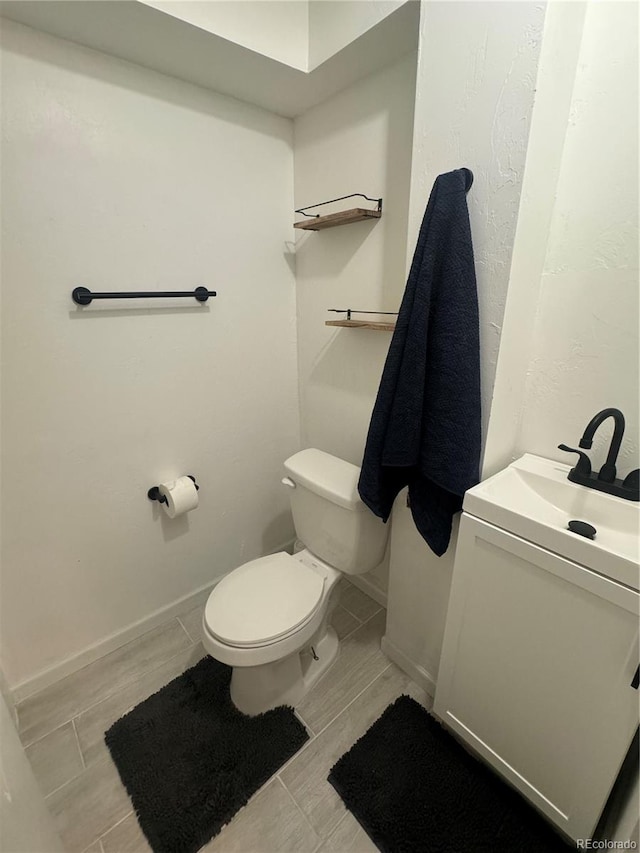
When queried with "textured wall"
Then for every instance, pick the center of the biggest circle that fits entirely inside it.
(115, 177)
(475, 88)
(474, 98)
(559, 56)
(584, 353)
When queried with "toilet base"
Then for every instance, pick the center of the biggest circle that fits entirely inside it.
(255, 689)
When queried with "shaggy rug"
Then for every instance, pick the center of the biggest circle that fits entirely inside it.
(189, 759)
(414, 789)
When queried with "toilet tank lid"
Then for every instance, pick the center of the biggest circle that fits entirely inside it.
(327, 476)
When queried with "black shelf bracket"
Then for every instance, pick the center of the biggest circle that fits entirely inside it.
(350, 311)
(331, 201)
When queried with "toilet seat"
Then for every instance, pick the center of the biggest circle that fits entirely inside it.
(264, 601)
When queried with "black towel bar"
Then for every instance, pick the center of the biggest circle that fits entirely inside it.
(83, 296)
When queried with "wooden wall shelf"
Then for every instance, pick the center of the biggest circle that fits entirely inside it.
(343, 217)
(362, 324)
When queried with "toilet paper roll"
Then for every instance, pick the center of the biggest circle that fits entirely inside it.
(181, 495)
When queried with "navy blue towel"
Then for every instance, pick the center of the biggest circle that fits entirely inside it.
(425, 430)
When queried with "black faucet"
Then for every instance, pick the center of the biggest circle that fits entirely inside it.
(605, 480)
(608, 471)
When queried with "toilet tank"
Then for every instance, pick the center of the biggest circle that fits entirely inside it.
(329, 517)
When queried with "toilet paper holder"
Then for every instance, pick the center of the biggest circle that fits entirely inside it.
(154, 492)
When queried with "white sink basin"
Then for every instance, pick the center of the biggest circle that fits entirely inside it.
(532, 498)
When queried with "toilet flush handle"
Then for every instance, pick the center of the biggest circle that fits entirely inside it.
(287, 481)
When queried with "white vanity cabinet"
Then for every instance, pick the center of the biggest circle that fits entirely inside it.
(536, 672)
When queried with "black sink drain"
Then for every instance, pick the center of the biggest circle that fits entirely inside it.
(582, 529)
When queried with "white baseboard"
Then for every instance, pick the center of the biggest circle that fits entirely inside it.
(369, 588)
(47, 677)
(416, 672)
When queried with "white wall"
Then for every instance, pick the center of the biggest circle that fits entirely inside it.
(25, 823)
(333, 24)
(115, 177)
(358, 141)
(299, 33)
(475, 86)
(419, 586)
(476, 83)
(584, 351)
(559, 56)
(276, 28)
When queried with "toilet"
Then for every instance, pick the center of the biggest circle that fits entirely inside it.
(269, 618)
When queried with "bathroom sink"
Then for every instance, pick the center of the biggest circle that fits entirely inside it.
(532, 498)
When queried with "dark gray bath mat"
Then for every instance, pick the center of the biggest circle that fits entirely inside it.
(189, 759)
(414, 789)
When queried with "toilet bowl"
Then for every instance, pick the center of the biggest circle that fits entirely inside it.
(262, 617)
(269, 618)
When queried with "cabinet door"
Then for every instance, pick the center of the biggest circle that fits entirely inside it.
(536, 669)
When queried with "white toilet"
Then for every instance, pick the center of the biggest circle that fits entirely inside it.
(269, 619)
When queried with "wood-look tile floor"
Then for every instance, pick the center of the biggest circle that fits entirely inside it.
(296, 811)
